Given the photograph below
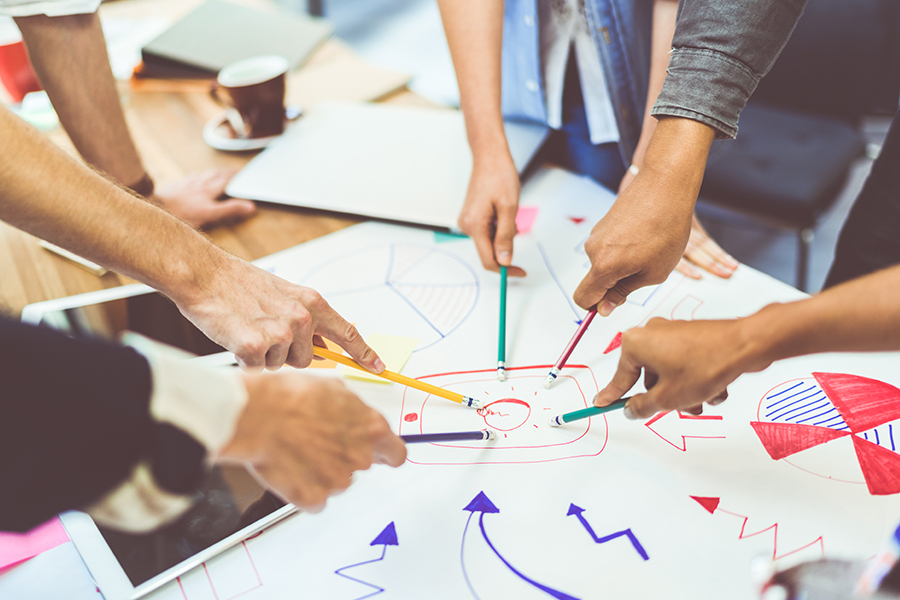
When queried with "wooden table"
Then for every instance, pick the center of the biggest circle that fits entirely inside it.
(166, 122)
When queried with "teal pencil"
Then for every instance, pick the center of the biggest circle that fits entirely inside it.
(584, 413)
(501, 344)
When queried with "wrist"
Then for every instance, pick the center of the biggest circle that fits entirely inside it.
(762, 338)
(677, 153)
(249, 431)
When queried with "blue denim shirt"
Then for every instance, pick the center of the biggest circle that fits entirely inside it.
(621, 29)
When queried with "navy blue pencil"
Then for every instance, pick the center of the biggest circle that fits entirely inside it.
(484, 434)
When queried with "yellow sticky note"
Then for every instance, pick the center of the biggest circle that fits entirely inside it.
(394, 350)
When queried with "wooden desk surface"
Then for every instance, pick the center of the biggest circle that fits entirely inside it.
(166, 122)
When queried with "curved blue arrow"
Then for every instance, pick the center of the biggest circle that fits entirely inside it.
(483, 505)
(388, 537)
(577, 510)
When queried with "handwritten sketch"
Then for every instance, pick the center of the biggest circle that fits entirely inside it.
(812, 550)
(387, 537)
(225, 577)
(518, 408)
(626, 533)
(414, 291)
(803, 414)
(676, 428)
(482, 544)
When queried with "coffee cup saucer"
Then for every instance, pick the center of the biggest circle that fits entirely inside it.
(219, 134)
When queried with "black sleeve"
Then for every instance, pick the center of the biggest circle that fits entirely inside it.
(74, 421)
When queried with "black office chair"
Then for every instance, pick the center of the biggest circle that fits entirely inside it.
(800, 133)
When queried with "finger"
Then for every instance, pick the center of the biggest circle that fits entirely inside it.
(627, 374)
(216, 180)
(227, 211)
(505, 232)
(319, 343)
(485, 248)
(719, 399)
(390, 450)
(277, 356)
(643, 406)
(591, 289)
(716, 251)
(703, 259)
(685, 268)
(335, 328)
(613, 297)
(694, 410)
(300, 353)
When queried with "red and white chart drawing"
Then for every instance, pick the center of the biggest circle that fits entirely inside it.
(801, 416)
(518, 409)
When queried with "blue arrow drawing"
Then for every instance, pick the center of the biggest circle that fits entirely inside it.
(577, 510)
(481, 504)
(387, 537)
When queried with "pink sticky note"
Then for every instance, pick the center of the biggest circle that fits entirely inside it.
(525, 218)
(16, 547)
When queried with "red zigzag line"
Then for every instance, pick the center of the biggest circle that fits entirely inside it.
(774, 526)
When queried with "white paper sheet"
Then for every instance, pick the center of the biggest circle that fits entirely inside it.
(606, 508)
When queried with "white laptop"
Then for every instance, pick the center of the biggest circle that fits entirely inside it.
(387, 162)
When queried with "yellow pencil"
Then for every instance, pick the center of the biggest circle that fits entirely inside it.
(402, 379)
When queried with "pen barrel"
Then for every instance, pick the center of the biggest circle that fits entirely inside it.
(445, 437)
(501, 342)
(391, 376)
(585, 323)
(592, 411)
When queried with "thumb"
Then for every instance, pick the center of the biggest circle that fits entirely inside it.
(233, 209)
(613, 297)
(626, 376)
(643, 406)
(506, 232)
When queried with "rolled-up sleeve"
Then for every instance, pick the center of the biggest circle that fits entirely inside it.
(721, 49)
(51, 8)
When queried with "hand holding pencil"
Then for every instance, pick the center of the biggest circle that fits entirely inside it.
(402, 379)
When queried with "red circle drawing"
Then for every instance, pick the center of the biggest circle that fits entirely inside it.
(508, 414)
(411, 417)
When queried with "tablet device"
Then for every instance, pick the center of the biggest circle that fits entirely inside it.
(230, 507)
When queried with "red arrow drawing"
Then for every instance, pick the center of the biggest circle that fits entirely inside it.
(711, 505)
(670, 430)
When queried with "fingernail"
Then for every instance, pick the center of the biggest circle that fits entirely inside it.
(597, 400)
(607, 308)
(716, 401)
(379, 365)
(628, 414)
(504, 258)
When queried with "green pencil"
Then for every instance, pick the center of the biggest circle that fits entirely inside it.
(584, 413)
(501, 344)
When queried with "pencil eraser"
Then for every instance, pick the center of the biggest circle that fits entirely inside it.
(553, 422)
(548, 382)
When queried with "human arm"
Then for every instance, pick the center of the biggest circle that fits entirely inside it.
(701, 251)
(70, 57)
(129, 435)
(721, 49)
(474, 30)
(688, 363)
(263, 319)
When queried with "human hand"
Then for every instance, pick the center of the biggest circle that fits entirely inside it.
(704, 252)
(489, 213)
(305, 436)
(685, 363)
(265, 320)
(196, 199)
(638, 243)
